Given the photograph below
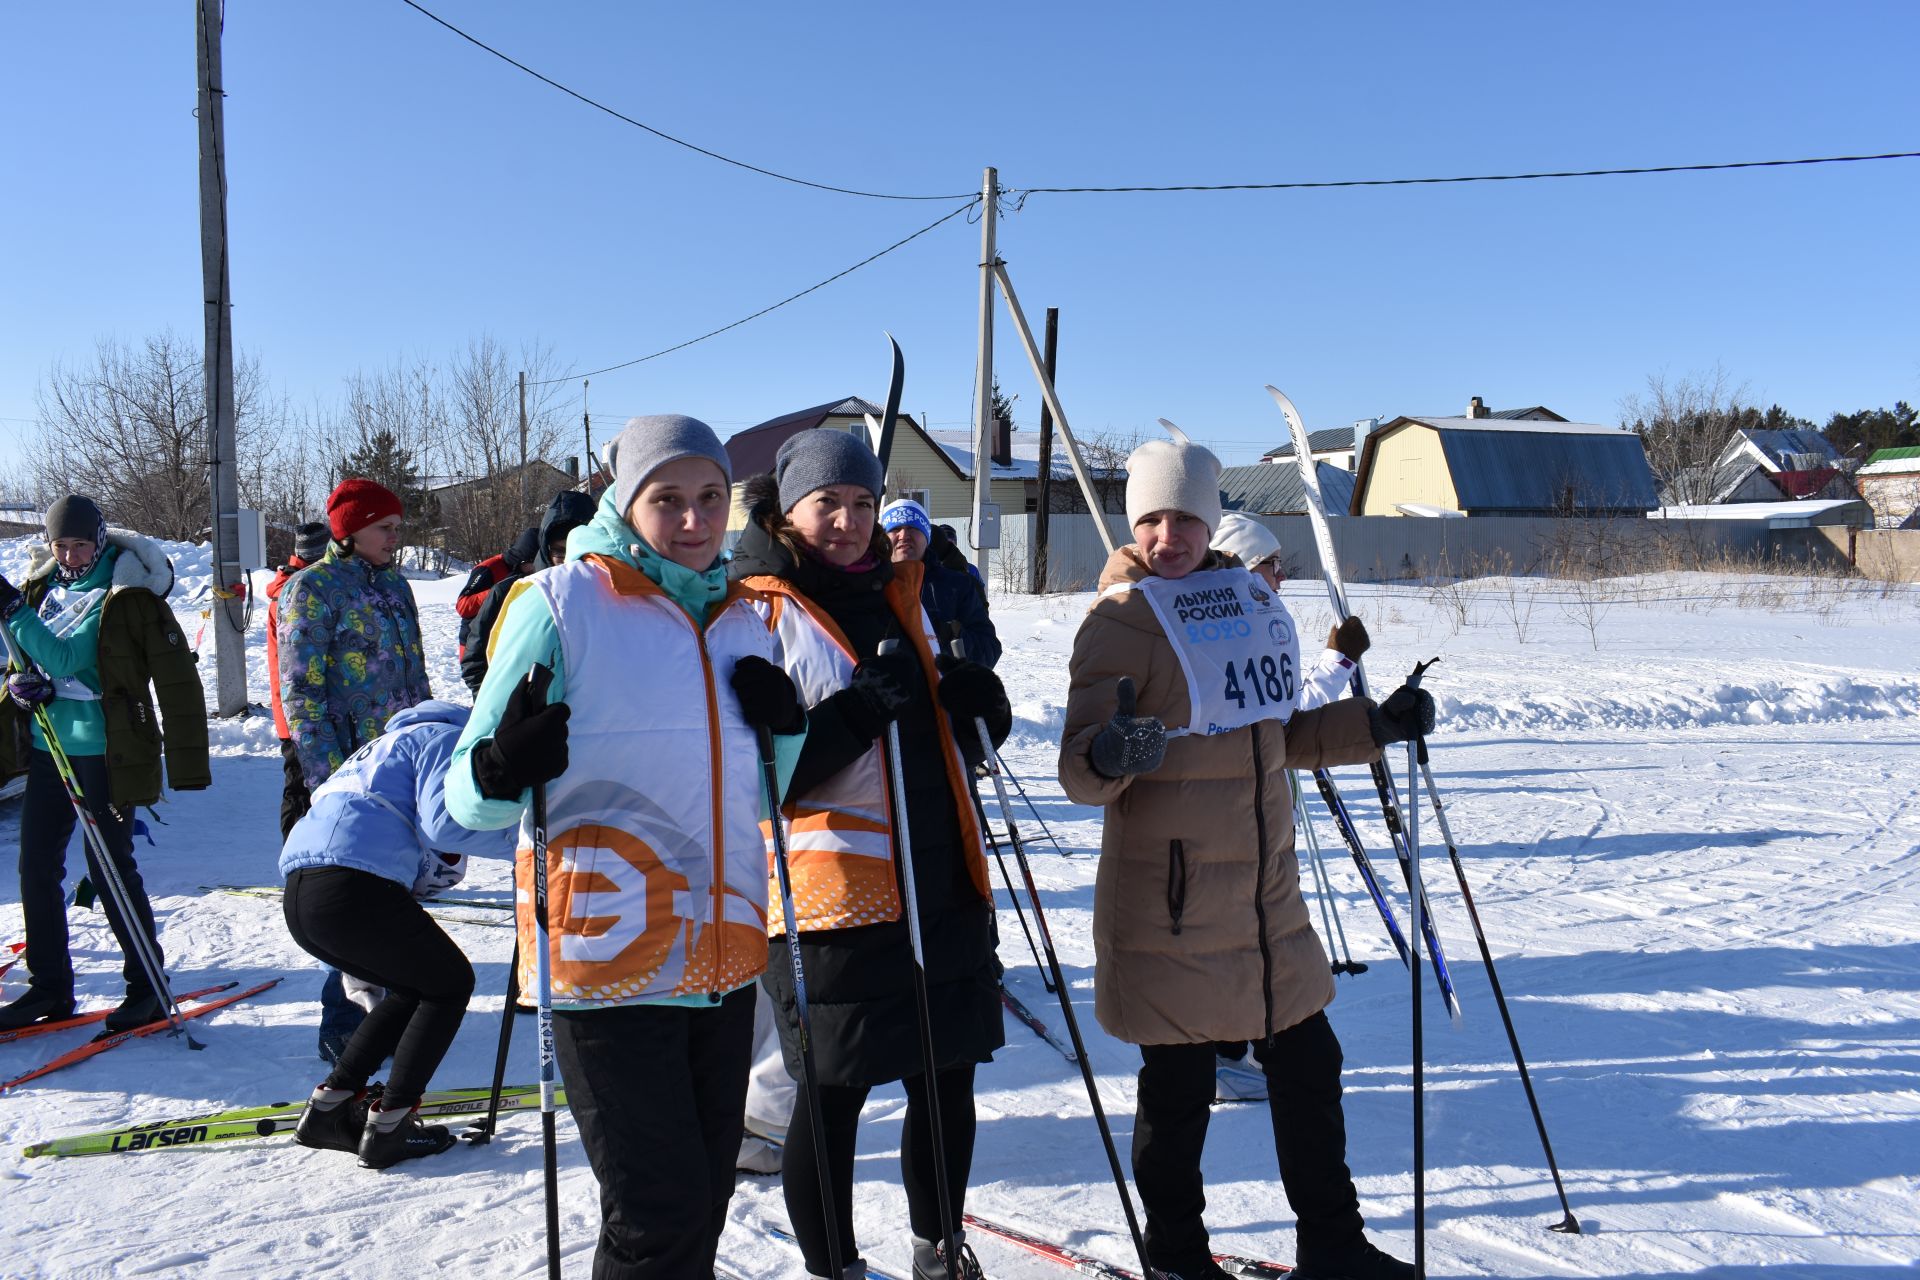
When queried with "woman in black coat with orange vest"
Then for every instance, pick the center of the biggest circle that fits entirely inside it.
(834, 596)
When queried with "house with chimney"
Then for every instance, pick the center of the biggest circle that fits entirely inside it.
(1513, 462)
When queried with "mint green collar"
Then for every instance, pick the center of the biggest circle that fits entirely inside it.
(696, 591)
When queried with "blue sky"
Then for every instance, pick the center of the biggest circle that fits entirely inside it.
(395, 192)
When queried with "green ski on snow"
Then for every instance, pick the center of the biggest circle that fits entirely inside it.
(274, 1119)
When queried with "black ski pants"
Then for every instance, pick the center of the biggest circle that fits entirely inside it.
(840, 1113)
(47, 821)
(1302, 1066)
(371, 927)
(658, 1093)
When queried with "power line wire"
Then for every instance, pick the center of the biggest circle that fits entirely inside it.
(679, 142)
(678, 346)
(1023, 192)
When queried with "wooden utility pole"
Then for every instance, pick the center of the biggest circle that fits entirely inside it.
(983, 421)
(523, 442)
(586, 424)
(229, 612)
(1045, 514)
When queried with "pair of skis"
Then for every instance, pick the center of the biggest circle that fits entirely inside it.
(273, 1119)
(101, 1044)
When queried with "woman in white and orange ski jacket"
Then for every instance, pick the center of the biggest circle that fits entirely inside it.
(646, 735)
(832, 596)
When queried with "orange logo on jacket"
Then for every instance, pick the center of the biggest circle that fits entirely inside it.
(615, 920)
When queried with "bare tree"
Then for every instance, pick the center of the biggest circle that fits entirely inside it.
(129, 430)
(1104, 454)
(481, 442)
(1685, 423)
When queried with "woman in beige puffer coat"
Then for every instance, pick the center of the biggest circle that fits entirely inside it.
(1200, 930)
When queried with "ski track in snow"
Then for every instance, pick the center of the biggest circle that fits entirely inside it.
(1693, 837)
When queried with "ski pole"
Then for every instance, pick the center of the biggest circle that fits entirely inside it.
(1013, 895)
(1343, 823)
(1323, 883)
(903, 844)
(1419, 1047)
(1080, 1052)
(543, 972)
(957, 645)
(1045, 831)
(1569, 1224)
(783, 872)
(143, 946)
(483, 1132)
(997, 771)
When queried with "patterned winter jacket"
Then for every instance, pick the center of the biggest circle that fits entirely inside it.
(350, 658)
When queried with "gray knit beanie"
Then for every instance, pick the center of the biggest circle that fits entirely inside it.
(310, 540)
(1173, 475)
(646, 444)
(76, 517)
(820, 457)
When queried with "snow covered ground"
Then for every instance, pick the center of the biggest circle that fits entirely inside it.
(1693, 832)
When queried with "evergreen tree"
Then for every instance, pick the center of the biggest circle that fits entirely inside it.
(381, 458)
(1869, 430)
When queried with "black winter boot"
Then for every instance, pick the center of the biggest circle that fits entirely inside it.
(393, 1136)
(1359, 1260)
(334, 1118)
(38, 1005)
(137, 1010)
(930, 1262)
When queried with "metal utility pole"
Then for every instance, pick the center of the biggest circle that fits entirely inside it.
(983, 423)
(1045, 514)
(523, 442)
(229, 614)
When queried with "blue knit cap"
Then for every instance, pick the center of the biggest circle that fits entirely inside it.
(906, 514)
(820, 457)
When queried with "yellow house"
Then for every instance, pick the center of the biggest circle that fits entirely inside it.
(1486, 465)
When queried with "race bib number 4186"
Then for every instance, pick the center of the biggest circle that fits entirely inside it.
(1236, 643)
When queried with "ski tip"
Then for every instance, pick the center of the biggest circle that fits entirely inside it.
(1173, 430)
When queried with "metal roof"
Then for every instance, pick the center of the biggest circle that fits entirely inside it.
(1264, 489)
(1779, 447)
(1507, 467)
(1325, 440)
(751, 451)
(1898, 461)
(1549, 470)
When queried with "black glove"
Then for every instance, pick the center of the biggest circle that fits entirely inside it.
(768, 699)
(1129, 743)
(879, 691)
(10, 599)
(969, 692)
(1407, 713)
(530, 743)
(1350, 639)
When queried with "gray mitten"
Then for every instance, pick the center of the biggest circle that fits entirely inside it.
(1128, 743)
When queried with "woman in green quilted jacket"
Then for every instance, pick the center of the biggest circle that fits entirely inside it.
(94, 631)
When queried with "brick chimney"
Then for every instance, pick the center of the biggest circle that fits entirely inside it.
(1477, 409)
(1002, 444)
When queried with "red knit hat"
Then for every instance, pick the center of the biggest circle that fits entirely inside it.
(357, 503)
